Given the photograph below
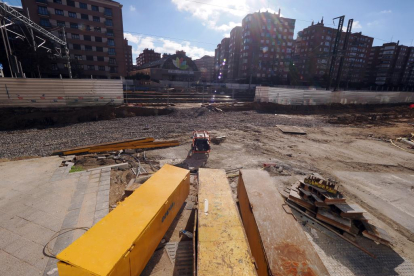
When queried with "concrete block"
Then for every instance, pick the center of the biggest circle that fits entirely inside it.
(105, 192)
(10, 265)
(71, 219)
(103, 188)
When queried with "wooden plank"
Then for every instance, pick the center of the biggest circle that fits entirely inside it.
(350, 210)
(375, 233)
(334, 220)
(295, 197)
(291, 129)
(83, 148)
(223, 248)
(139, 146)
(278, 243)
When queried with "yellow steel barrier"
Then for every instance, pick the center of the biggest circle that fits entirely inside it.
(123, 242)
(223, 248)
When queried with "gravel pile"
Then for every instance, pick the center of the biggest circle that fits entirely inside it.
(42, 142)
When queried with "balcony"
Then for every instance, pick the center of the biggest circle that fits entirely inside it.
(42, 1)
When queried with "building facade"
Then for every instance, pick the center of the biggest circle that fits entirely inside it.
(391, 65)
(128, 56)
(206, 67)
(313, 53)
(147, 56)
(266, 51)
(94, 32)
(223, 60)
(234, 54)
(217, 53)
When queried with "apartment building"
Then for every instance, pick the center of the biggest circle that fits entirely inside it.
(233, 72)
(391, 65)
(206, 66)
(267, 42)
(94, 32)
(223, 60)
(313, 54)
(128, 56)
(217, 53)
(147, 56)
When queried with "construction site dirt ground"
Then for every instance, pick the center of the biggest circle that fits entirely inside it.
(371, 171)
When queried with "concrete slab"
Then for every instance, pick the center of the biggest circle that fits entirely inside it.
(390, 193)
(38, 198)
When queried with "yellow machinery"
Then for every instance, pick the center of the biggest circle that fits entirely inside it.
(222, 248)
(123, 242)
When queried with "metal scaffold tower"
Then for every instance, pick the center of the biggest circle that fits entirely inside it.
(8, 16)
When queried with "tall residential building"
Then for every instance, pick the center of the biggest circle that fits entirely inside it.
(147, 56)
(391, 65)
(206, 67)
(128, 56)
(223, 60)
(266, 46)
(313, 53)
(217, 53)
(234, 54)
(408, 77)
(94, 33)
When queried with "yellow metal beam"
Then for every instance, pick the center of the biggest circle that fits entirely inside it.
(223, 248)
(124, 240)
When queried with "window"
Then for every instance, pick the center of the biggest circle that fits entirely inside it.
(111, 51)
(76, 47)
(101, 68)
(109, 32)
(95, 8)
(101, 58)
(91, 67)
(75, 36)
(99, 49)
(58, 1)
(61, 23)
(79, 57)
(109, 22)
(111, 42)
(74, 25)
(97, 29)
(83, 6)
(45, 22)
(84, 16)
(98, 39)
(90, 58)
(72, 14)
(87, 37)
(108, 12)
(42, 10)
(54, 67)
(59, 12)
(96, 19)
(70, 3)
(112, 61)
(88, 48)
(113, 69)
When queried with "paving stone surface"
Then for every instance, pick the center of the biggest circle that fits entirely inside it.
(39, 198)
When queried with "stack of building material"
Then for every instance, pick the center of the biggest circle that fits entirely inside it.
(143, 143)
(321, 199)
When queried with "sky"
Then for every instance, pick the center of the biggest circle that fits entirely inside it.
(197, 26)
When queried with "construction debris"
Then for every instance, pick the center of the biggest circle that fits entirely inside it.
(291, 129)
(143, 143)
(322, 200)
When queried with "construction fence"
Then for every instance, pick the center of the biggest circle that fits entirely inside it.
(289, 96)
(22, 92)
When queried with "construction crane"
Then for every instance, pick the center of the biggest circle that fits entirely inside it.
(15, 15)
